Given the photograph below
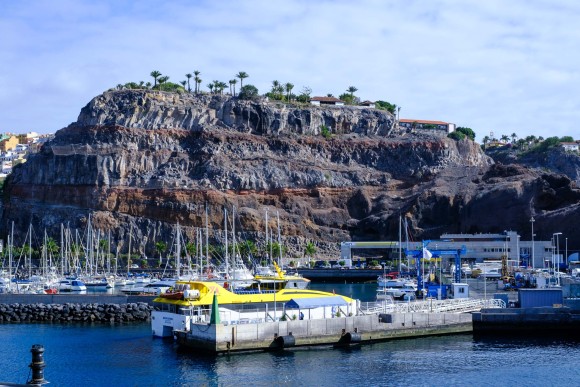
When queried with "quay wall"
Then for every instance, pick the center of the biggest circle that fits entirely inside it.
(75, 313)
(262, 336)
(560, 320)
(64, 298)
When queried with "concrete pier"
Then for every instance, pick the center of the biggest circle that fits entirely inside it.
(340, 331)
(545, 320)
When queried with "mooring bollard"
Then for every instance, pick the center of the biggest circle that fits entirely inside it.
(37, 365)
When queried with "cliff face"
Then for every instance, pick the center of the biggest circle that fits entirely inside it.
(157, 110)
(148, 160)
(556, 160)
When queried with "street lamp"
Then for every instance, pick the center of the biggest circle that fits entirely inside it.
(556, 234)
(532, 220)
(518, 255)
(566, 257)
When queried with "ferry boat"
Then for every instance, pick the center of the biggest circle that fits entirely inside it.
(191, 301)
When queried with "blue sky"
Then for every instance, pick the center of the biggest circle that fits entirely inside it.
(495, 66)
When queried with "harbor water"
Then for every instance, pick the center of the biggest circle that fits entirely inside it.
(127, 355)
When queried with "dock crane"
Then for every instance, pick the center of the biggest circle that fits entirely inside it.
(418, 254)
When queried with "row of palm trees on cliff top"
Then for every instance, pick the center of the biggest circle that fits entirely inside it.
(217, 86)
(279, 91)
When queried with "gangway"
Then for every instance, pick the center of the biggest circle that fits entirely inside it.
(462, 305)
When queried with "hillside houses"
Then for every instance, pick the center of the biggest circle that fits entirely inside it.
(571, 146)
(15, 148)
(438, 126)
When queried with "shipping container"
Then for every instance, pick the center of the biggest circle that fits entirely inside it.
(531, 298)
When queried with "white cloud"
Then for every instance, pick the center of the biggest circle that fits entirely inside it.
(491, 65)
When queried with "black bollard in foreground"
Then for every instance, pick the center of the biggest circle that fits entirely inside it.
(37, 365)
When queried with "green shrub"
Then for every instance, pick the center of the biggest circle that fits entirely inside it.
(248, 92)
(325, 132)
(457, 136)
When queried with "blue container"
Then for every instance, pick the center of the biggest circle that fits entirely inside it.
(532, 298)
(433, 290)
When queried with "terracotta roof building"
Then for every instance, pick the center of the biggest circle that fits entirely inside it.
(426, 124)
(326, 101)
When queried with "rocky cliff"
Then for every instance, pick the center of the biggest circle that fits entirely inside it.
(145, 161)
(555, 159)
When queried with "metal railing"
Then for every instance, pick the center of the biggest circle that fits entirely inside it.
(433, 306)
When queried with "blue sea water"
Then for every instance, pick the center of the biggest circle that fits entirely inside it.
(127, 355)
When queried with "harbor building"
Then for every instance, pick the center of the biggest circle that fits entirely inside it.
(475, 248)
(483, 247)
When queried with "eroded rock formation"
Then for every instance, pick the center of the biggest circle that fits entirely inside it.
(146, 160)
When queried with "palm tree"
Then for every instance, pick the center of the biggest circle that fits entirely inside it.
(148, 85)
(352, 90)
(504, 138)
(162, 80)
(242, 75)
(190, 248)
(222, 85)
(51, 247)
(485, 141)
(210, 87)
(247, 248)
(183, 83)
(197, 83)
(196, 79)
(188, 76)
(289, 88)
(155, 74)
(514, 137)
(160, 247)
(310, 250)
(233, 84)
(275, 89)
(217, 86)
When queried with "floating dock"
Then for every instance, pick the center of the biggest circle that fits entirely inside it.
(340, 331)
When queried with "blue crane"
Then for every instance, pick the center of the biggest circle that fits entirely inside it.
(418, 254)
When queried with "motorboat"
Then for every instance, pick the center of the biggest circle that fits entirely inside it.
(153, 288)
(98, 283)
(389, 281)
(405, 291)
(71, 285)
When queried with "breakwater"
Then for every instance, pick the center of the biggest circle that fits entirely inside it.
(75, 313)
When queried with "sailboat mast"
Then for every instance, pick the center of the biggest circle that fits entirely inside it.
(226, 241)
(400, 246)
(109, 252)
(206, 238)
(279, 240)
(177, 252)
(30, 251)
(267, 241)
(129, 255)
(10, 243)
(235, 259)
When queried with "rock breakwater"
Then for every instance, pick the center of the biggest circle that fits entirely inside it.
(75, 313)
